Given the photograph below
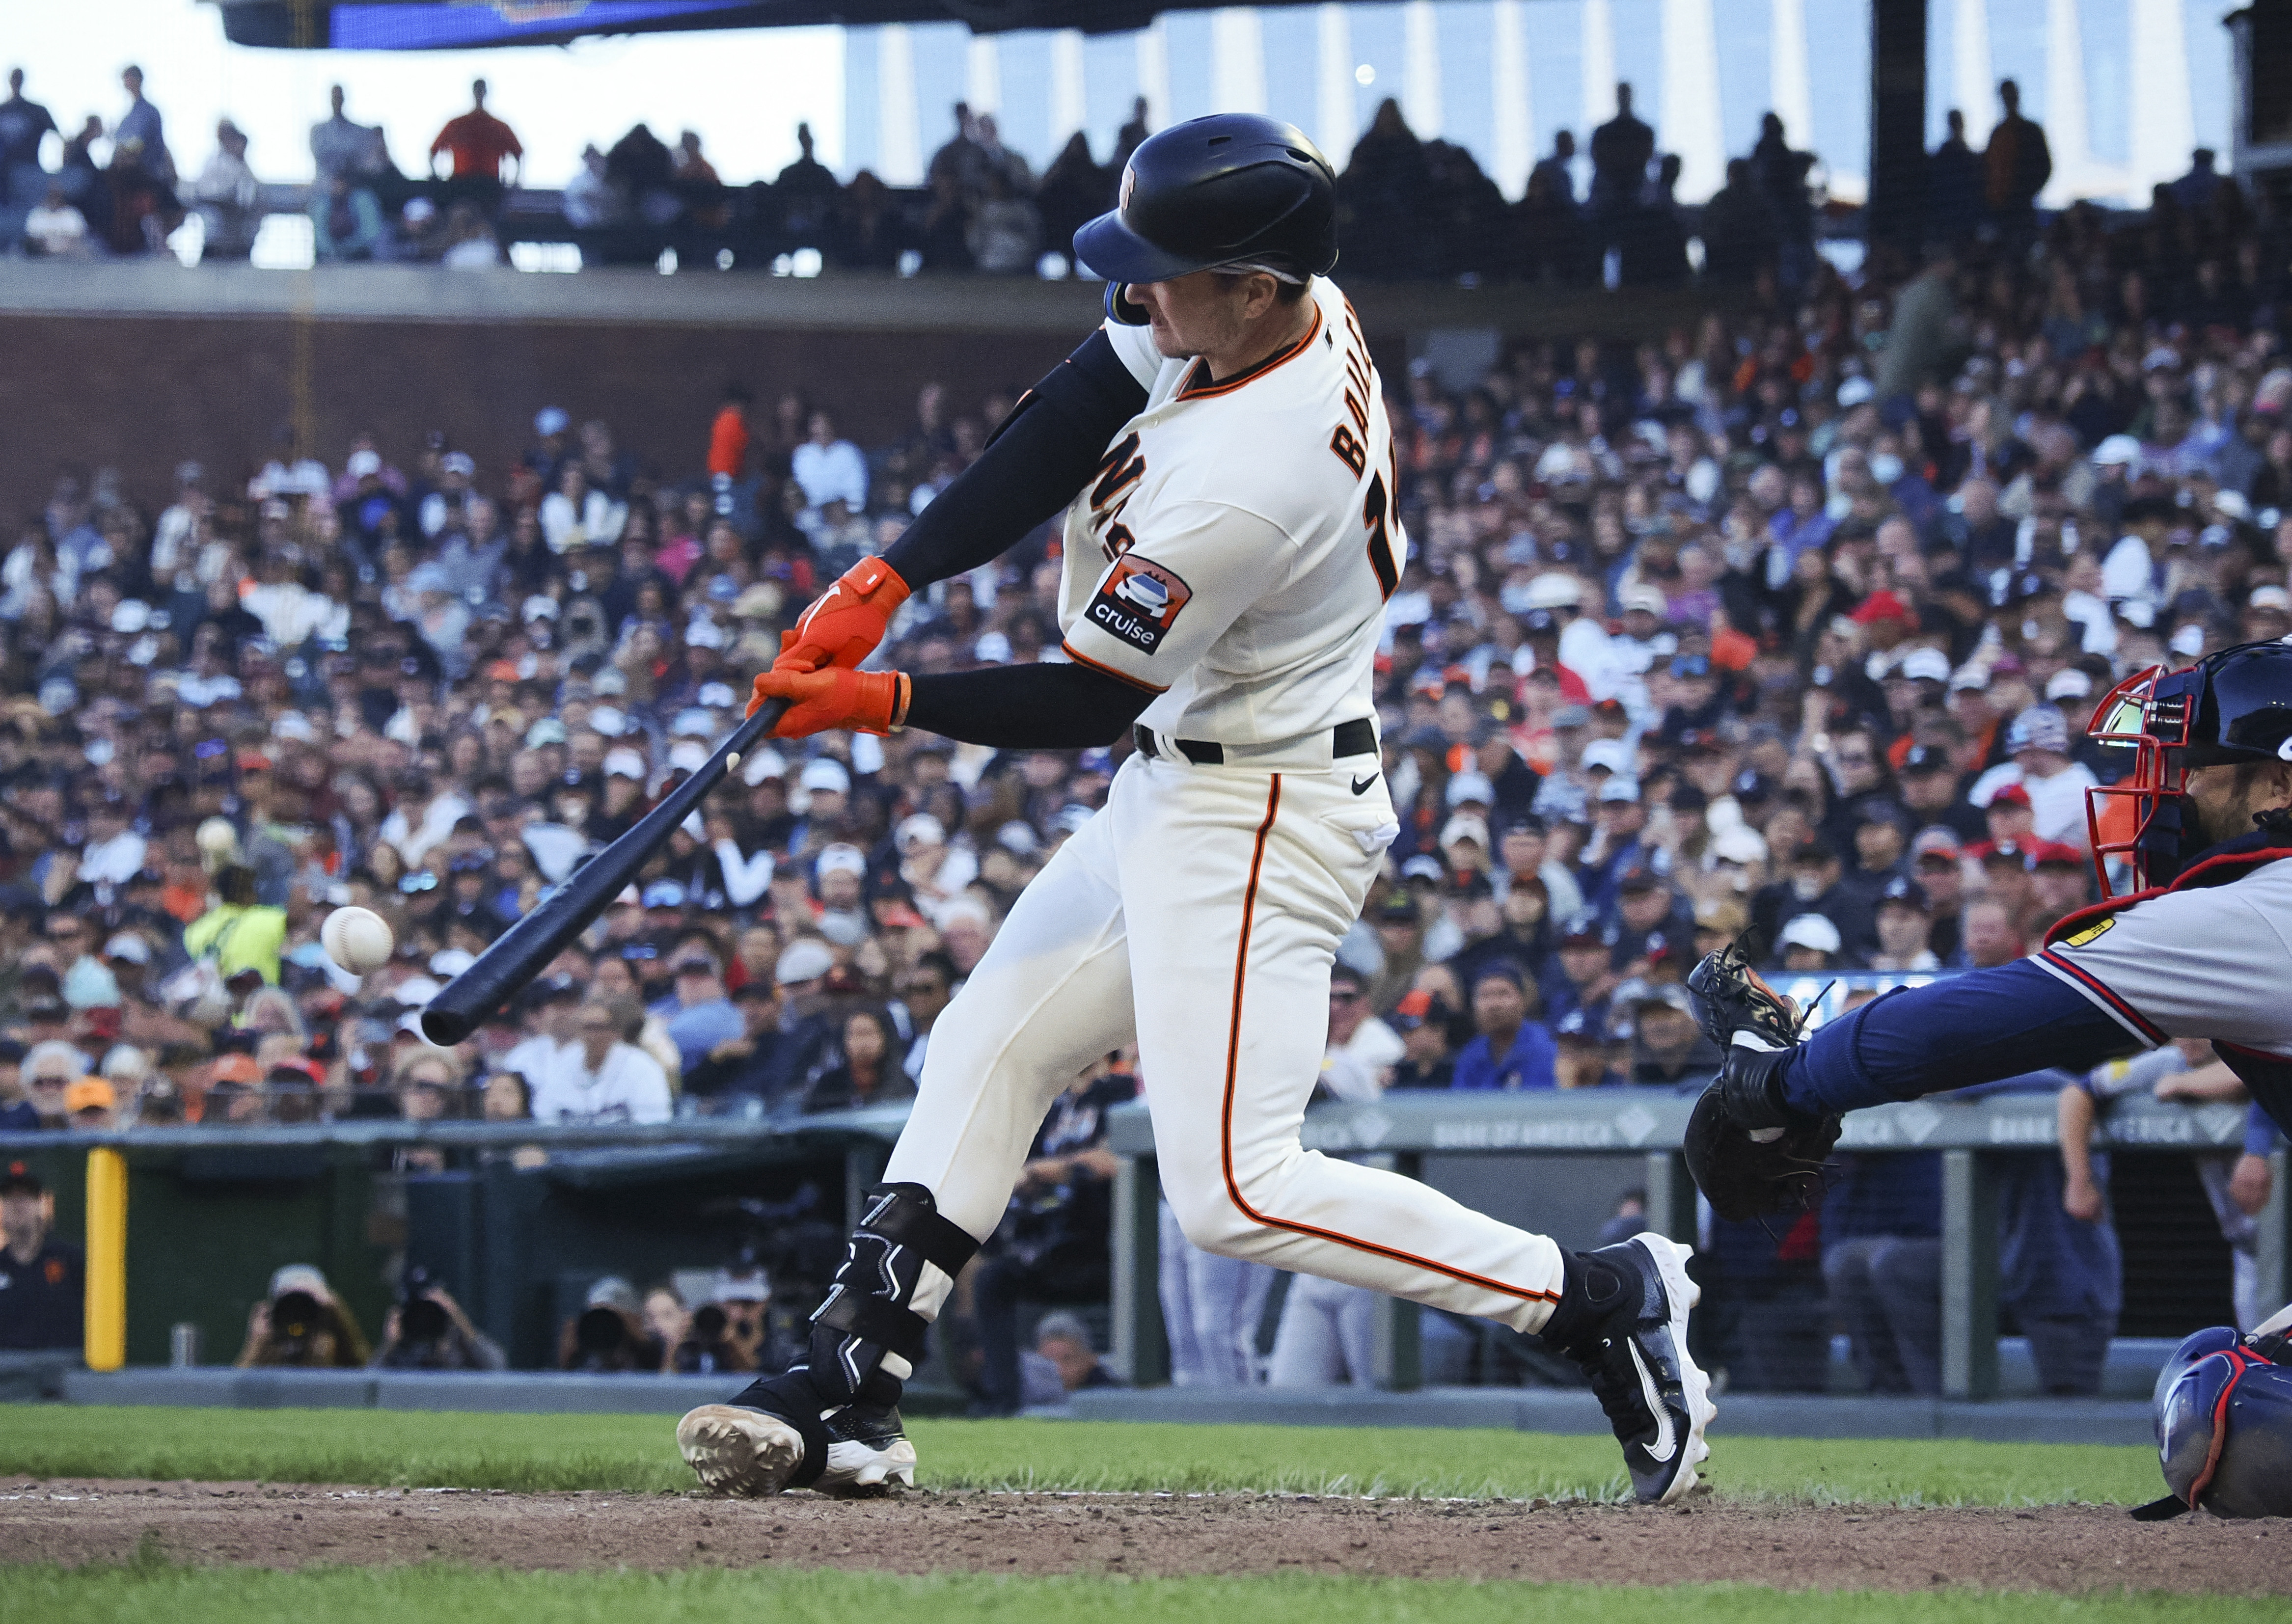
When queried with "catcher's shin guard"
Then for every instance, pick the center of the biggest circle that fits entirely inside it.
(865, 1339)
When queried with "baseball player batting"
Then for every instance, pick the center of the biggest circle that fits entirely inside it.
(1229, 546)
(2196, 949)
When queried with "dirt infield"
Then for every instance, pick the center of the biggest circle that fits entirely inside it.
(2067, 1548)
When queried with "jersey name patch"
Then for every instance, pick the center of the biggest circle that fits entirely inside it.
(2081, 938)
(1139, 602)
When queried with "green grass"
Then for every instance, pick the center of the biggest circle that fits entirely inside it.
(154, 1593)
(636, 1453)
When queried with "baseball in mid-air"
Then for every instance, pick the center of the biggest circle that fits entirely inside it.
(217, 839)
(358, 938)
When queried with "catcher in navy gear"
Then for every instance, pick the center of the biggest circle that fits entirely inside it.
(2195, 947)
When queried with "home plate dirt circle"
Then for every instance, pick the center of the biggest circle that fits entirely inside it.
(2065, 1548)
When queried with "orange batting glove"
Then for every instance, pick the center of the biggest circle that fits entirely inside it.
(845, 623)
(872, 702)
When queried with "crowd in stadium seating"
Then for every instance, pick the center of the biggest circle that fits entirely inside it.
(1410, 208)
(1791, 620)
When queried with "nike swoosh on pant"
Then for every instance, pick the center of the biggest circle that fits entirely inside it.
(1667, 1442)
(1360, 785)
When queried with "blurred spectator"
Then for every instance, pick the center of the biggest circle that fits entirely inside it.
(141, 124)
(228, 197)
(1064, 1340)
(2015, 166)
(91, 1104)
(1955, 186)
(601, 1075)
(1667, 1048)
(340, 146)
(1513, 1050)
(24, 125)
(483, 154)
(1622, 149)
(238, 933)
(828, 468)
(698, 1015)
(301, 1322)
(427, 1330)
(609, 1336)
(1050, 1248)
(42, 1279)
(591, 199)
(870, 1072)
(56, 228)
(346, 218)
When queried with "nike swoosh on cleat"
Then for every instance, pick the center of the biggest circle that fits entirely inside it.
(1360, 785)
(1664, 1437)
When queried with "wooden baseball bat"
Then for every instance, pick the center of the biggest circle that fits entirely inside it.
(525, 949)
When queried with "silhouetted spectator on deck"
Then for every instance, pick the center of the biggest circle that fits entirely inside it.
(1621, 151)
(1781, 174)
(229, 196)
(945, 234)
(143, 208)
(1379, 195)
(1074, 190)
(806, 191)
(141, 124)
(2015, 166)
(346, 221)
(1131, 136)
(24, 124)
(1558, 170)
(962, 159)
(1738, 235)
(868, 228)
(1653, 244)
(1463, 213)
(1549, 231)
(643, 170)
(485, 156)
(340, 145)
(1006, 234)
(1953, 187)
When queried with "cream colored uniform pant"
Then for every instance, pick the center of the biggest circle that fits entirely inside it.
(1199, 913)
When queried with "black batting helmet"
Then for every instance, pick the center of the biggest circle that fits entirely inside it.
(1230, 190)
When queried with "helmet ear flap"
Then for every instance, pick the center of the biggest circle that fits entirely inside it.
(1119, 309)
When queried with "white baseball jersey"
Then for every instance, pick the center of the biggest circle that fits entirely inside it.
(1234, 551)
(1233, 555)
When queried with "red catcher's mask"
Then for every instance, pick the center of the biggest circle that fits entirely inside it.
(2139, 818)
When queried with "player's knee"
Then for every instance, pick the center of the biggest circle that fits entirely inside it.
(1211, 1222)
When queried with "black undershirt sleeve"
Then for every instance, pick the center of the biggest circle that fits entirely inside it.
(1037, 460)
(1027, 707)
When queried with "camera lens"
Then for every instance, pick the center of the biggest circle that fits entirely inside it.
(601, 1330)
(423, 1321)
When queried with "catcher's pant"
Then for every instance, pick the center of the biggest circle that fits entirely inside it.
(1199, 912)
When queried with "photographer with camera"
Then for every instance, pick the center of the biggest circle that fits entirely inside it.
(427, 1330)
(301, 1323)
(609, 1336)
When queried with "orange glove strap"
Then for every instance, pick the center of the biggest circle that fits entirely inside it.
(848, 621)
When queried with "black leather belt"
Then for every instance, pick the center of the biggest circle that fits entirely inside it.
(1355, 738)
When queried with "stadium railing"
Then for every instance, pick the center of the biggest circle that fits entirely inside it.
(1400, 1131)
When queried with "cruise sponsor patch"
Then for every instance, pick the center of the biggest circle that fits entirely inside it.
(1139, 602)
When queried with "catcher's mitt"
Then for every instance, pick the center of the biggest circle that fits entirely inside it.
(1729, 997)
(1749, 1153)
(1747, 1172)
